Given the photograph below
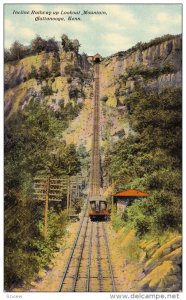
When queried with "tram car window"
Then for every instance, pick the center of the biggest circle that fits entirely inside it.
(93, 204)
(103, 205)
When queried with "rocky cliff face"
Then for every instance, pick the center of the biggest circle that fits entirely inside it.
(141, 67)
(162, 268)
(70, 79)
(19, 71)
(64, 74)
(149, 265)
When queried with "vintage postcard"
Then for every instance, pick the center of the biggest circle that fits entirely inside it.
(93, 149)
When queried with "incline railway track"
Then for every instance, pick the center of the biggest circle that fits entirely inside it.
(88, 268)
(95, 159)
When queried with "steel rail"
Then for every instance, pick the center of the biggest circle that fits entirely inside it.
(80, 257)
(72, 252)
(98, 257)
(89, 259)
(108, 258)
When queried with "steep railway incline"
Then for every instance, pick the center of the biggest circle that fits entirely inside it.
(95, 160)
(89, 268)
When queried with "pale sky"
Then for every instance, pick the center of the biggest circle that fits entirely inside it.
(120, 28)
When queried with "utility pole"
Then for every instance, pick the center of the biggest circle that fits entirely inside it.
(76, 186)
(46, 207)
(113, 188)
(78, 190)
(68, 194)
(70, 206)
(50, 189)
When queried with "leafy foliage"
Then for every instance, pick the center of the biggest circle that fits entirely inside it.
(32, 146)
(104, 98)
(148, 72)
(151, 72)
(46, 90)
(69, 112)
(55, 66)
(69, 45)
(33, 73)
(117, 221)
(44, 72)
(38, 44)
(16, 52)
(51, 45)
(150, 160)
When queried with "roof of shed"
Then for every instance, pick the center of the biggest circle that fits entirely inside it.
(131, 193)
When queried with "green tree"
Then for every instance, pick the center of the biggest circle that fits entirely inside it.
(55, 67)
(69, 45)
(38, 44)
(66, 43)
(44, 72)
(8, 56)
(66, 160)
(31, 138)
(76, 45)
(51, 45)
(150, 160)
(17, 50)
(34, 72)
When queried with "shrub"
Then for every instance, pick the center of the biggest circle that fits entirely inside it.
(33, 73)
(69, 70)
(44, 72)
(104, 98)
(38, 45)
(149, 72)
(55, 70)
(51, 45)
(117, 220)
(47, 90)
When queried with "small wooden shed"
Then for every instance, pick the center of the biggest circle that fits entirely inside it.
(125, 198)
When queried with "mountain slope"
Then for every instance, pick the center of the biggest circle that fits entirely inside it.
(48, 129)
